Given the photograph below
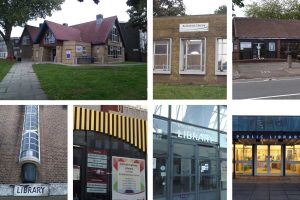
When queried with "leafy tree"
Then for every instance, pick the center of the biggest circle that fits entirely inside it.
(238, 3)
(221, 10)
(18, 12)
(168, 8)
(96, 1)
(274, 9)
(138, 13)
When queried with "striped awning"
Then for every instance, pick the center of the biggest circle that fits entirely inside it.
(129, 129)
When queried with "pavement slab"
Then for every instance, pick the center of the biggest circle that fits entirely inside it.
(21, 83)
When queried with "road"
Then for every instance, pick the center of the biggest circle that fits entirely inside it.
(275, 88)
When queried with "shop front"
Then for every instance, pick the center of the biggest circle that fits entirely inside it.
(189, 160)
(266, 146)
(109, 152)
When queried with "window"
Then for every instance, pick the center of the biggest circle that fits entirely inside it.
(26, 40)
(192, 56)
(221, 56)
(162, 56)
(30, 148)
(114, 34)
(49, 38)
(83, 51)
(114, 51)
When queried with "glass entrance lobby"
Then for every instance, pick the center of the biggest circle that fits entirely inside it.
(274, 150)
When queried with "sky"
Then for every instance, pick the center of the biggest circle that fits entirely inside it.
(73, 12)
(239, 12)
(196, 7)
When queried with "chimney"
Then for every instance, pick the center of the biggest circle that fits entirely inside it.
(99, 19)
(65, 24)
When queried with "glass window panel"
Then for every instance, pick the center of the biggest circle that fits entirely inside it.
(293, 153)
(159, 176)
(208, 152)
(161, 110)
(208, 182)
(262, 152)
(161, 48)
(275, 152)
(292, 169)
(243, 168)
(160, 126)
(194, 49)
(182, 184)
(192, 55)
(183, 150)
(183, 166)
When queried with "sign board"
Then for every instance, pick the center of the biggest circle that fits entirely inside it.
(128, 178)
(79, 49)
(245, 45)
(31, 190)
(193, 27)
(76, 173)
(97, 178)
(68, 54)
(261, 135)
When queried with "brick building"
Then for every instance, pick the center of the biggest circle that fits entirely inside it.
(190, 49)
(98, 41)
(265, 39)
(26, 41)
(109, 153)
(33, 152)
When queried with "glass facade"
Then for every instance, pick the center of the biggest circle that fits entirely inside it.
(189, 160)
(266, 145)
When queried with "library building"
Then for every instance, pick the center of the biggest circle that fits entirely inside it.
(266, 146)
(189, 155)
(109, 152)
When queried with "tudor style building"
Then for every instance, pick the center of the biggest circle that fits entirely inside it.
(26, 41)
(190, 49)
(98, 41)
(263, 39)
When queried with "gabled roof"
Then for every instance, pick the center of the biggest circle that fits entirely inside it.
(86, 32)
(33, 31)
(96, 34)
(265, 28)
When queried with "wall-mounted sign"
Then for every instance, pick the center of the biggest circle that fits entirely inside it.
(68, 54)
(266, 136)
(271, 46)
(193, 27)
(245, 45)
(96, 171)
(31, 190)
(128, 178)
(79, 49)
(76, 173)
(182, 131)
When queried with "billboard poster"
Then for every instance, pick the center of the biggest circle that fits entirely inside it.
(96, 171)
(128, 178)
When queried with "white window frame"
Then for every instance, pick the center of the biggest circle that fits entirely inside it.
(203, 56)
(169, 56)
(49, 38)
(217, 72)
(114, 34)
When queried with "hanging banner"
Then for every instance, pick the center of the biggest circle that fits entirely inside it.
(96, 171)
(128, 178)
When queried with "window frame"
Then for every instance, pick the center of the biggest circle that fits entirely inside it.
(26, 40)
(114, 34)
(169, 56)
(49, 38)
(217, 72)
(181, 57)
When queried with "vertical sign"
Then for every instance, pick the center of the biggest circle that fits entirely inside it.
(128, 178)
(96, 171)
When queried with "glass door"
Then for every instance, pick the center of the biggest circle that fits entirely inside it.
(243, 159)
(268, 160)
(292, 165)
(208, 173)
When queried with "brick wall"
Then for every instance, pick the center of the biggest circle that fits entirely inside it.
(168, 27)
(53, 144)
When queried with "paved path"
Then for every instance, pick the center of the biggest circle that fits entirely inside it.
(266, 191)
(21, 83)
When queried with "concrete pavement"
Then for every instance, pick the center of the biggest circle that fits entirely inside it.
(21, 83)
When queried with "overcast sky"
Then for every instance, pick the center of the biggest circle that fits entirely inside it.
(73, 12)
(239, 12)
(196, 7)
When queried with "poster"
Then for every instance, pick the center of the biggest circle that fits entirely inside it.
(96, 171)
(128, 178)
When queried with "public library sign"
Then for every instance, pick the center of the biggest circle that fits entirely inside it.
(31, 190)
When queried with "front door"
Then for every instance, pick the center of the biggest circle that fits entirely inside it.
(53, 55)
(194, 172)
(269, 160)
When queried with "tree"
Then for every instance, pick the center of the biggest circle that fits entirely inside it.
(238, 3)
(96, 1)
(274, 9)
(168, 8)
(221, 10)
(18, 12)
(138, 13)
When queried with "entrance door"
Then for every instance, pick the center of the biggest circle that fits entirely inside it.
(53, 55)
(269, 160)
(194, 172)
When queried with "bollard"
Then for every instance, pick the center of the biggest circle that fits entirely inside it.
(290, 61)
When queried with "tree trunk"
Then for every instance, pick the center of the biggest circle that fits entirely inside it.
(9, 45)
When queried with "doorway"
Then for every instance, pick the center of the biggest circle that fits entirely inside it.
(194, 172)
(269, 160)
(53, 55)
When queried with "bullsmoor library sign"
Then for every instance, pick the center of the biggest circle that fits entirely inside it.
(31, 190)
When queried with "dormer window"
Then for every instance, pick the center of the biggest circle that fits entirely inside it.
(49, 38)
(114, 34)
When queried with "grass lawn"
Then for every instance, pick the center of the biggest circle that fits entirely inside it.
(5, 66)
(92, 82)
(165, 91)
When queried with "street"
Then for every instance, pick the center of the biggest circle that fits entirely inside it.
(264, 88)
